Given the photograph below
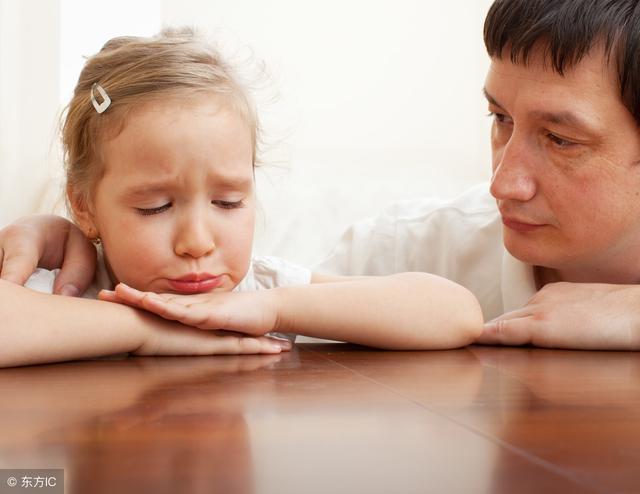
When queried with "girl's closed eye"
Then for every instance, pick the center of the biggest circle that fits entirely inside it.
(228, 204)
(157, 210)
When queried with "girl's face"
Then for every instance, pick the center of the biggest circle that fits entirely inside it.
(175, 208)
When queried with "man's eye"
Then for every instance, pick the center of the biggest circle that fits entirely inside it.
(559, 141)
(498, 117)
(150, 211)
(228, 204)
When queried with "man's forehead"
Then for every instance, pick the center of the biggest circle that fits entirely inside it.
(583, 99)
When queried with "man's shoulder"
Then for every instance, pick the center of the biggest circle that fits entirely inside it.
(470, 218)
(473, 206)
(267, 272)
(426, 234)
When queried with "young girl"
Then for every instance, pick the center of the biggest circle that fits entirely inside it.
(160, 149)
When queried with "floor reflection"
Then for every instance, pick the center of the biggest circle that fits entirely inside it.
(153, 424)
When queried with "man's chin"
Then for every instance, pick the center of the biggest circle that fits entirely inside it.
(527, 250)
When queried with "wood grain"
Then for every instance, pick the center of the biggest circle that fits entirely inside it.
(329, 418)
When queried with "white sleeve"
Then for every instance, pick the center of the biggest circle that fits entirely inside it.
(271, 272)
(425, 234)
(393, 242)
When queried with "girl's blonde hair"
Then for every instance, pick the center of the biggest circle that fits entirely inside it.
(135, 70)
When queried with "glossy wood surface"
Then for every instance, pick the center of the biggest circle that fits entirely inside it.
(331, 419)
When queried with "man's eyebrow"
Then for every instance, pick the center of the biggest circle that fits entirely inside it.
(490, 98)
(559, 118)
(562, 118)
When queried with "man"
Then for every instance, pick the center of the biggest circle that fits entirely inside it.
(554, 263)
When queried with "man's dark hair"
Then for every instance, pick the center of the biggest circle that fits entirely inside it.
(567, 30)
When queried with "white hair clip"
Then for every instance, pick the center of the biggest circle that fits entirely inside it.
(106, 101)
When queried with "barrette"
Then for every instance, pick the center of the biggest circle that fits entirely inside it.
(106, 101)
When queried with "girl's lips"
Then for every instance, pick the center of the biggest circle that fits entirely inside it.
(188, 286)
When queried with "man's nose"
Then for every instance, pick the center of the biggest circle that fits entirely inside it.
(195, 237)
(513, 177)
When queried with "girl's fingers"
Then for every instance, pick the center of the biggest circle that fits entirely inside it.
(266, 342)
(240, 345)
(199, 315)
(122, 296)
(134, 295)
(167, 309)
(128, 294)
(108, 296)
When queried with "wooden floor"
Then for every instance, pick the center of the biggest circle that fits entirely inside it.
(331, 419)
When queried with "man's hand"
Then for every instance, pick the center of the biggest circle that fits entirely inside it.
(585, 316)
(253, 313)
(50, 242)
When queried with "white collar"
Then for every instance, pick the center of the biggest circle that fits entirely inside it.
(518, 282)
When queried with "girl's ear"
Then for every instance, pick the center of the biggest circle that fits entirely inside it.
(81, 212)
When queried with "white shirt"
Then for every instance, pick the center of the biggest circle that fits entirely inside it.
(264, 273)
(460, 239)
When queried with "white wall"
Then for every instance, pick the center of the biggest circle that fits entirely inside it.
(42, 48)
(378, 101)
(29, 30)
(374, 101)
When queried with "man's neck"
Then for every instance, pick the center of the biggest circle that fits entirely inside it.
(544, 276)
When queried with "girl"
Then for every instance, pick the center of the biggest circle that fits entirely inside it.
(160, 144)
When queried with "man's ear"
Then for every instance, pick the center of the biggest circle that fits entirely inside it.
(82, 212)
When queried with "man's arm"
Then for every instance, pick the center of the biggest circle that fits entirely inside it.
(39, 328)
(582, 316)
(50, 242)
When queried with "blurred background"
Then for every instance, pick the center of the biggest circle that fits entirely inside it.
(362, 103)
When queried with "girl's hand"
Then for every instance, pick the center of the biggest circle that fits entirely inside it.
(253, 313)
(168, 338)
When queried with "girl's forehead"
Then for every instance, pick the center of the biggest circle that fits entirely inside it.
(194, 132)
(201, 142)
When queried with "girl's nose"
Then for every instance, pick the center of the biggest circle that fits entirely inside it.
(194, 239)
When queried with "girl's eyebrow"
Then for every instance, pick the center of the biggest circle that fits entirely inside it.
(237, 182)
(144, 190)
(218, 182)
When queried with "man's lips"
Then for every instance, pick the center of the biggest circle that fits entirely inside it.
(520, 225)
(195, 283)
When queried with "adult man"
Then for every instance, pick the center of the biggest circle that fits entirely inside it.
(564, 89)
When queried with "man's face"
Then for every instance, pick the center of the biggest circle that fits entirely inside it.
(566, 172)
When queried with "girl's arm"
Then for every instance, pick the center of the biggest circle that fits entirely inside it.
(407, 311)
(38, 328)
